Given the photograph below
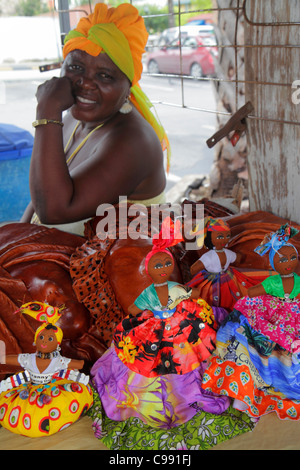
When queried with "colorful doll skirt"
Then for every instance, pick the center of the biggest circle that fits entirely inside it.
(226, 288)
(42, 410)
(162, 402)
(250, 367)
(175, 345)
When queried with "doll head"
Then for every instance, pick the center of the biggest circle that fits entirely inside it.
(160, 266)
(283, 256)
(214, 235)
(159, 262)
(48, 336)
(285, 260)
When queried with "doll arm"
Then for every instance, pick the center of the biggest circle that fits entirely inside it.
(256, 291)
(195, 293)
(196, 267)
(76, 364)
(9, 360)
(134, 310)
(240, 257)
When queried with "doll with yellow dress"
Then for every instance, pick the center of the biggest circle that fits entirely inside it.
(51, 393)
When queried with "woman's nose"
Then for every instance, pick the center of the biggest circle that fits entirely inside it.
(85, 82)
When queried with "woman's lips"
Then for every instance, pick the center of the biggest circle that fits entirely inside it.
(85, 103)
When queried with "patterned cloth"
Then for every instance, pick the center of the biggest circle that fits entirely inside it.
(255, 370)
(162, 402)
(277, 319)
(224, 289)
(175, 344)
(154, 367)
(202, 432)
(42, 410)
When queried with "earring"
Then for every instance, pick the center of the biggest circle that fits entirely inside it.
(126, 108)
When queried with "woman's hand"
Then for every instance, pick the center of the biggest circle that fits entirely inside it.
(54, 96)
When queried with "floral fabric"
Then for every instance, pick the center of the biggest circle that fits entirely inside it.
(277, 319)
(202, 432)
(174, 345)
(248, 366)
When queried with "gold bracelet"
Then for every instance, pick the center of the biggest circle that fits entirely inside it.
(42, 122)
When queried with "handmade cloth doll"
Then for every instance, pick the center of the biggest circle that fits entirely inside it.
(153, 369)
(219, 283)
(50, 394)
(257, 359)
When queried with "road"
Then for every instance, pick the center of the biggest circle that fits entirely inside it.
(187, 129)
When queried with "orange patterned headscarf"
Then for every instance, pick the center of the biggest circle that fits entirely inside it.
(121, 33)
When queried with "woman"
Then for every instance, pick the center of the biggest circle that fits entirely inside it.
(108, 144)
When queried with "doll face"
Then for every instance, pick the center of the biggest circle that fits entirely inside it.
(220, 238)
(286, 260)
(160, 267)
(46, 341)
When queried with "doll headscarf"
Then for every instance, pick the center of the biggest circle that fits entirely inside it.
(121, 33)
(169, 235)
(209, 225)
(45, 314)
(275, 240)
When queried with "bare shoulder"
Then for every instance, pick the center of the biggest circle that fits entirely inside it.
(135, 138)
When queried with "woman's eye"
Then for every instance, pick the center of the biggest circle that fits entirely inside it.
(283, 260)
(75, 67)
(220, 237)
(50, 338)
(104, 76)
(41, 337)
(293, 257)
(158, 266)
(168, 264)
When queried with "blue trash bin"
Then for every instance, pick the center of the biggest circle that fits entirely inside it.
(15, 154)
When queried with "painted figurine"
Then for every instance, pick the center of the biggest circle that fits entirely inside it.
(154, 368)
(257, 358)
(219, 283)
(50, 394)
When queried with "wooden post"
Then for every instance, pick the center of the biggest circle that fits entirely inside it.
(273, 147)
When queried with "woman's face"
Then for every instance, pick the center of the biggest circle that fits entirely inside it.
(220, 238)
(98, 85)
(286, 260)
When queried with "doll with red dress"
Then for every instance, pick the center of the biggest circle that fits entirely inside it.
(51, 393)
(153, 369)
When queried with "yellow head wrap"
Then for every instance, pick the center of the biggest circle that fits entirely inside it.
(46, 314)
(121, 33)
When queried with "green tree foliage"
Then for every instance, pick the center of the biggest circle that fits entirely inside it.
(31, 8)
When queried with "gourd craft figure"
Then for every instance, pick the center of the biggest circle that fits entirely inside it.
(219, 283)
(154, 366)
(257, 353)
(50, 394)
